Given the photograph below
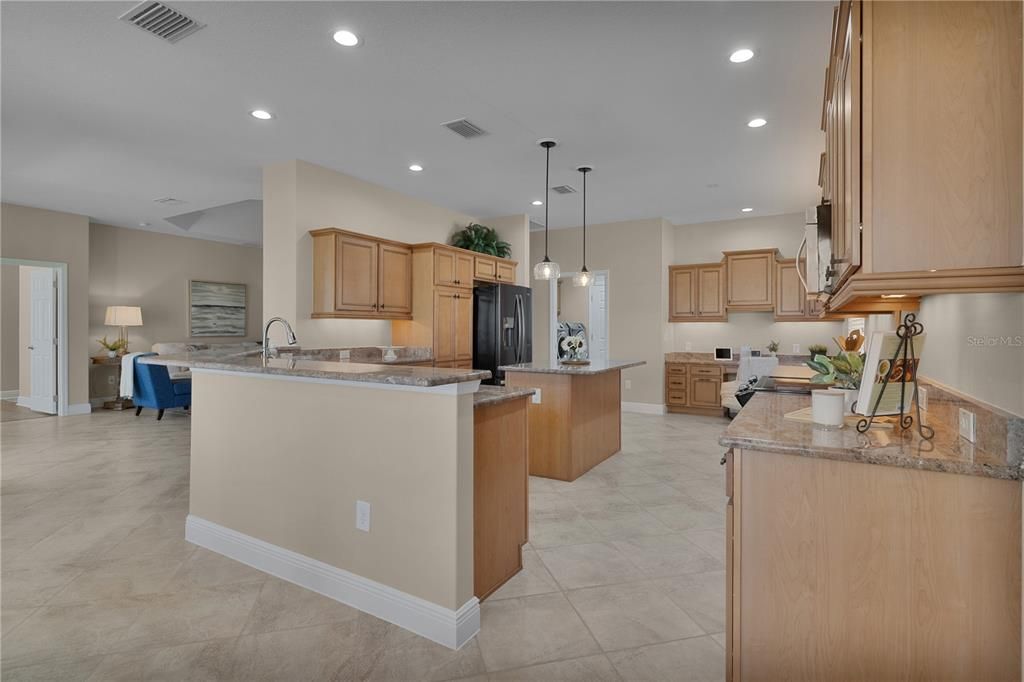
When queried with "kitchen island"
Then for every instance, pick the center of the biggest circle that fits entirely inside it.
(868, 556)
(576, 418)
(351, 479)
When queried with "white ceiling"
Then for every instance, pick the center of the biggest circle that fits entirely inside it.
(100, 118)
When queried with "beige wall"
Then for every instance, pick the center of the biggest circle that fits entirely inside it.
(975, 344)
(286, 461)
(705, 242)
(300, 196)
(515, 229)
(39, 234)
(9, 325)
(632, 254)
(575, 303)
(135, 267)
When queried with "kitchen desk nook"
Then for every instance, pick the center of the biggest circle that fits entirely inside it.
(575, 416)
(360, 480)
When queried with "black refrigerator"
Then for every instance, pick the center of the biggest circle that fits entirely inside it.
(502, 328)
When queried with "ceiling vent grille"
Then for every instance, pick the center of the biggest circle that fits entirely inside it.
(564, 189)
(168, 201)
(162, 21)
(465, 128)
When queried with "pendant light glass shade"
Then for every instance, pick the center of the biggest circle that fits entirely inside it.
(583, 278)
(546, 269)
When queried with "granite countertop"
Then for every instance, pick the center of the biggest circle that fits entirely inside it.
(312, 364)
(761, 425)
(595, 367)
(493, 395)
(694, 358)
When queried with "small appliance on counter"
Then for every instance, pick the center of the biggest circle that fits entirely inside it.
(723, 354)
(502, 328)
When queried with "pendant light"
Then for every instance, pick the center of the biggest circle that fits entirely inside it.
(546, 269)
(583, 278)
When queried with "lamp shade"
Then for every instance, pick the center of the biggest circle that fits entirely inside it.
(123, 316)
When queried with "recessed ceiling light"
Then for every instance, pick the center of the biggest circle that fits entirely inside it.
(756, 123)
(537, 202)
(415, 168)
(261, 114)
(143, 224)
(346, 38)
(746, 210)
(740, 56)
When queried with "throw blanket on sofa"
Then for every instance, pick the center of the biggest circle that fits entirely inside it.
(128, 374)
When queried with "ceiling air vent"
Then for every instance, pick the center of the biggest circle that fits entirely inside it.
(464, 128)
(168, 201)
(564, 189)
(162, 21)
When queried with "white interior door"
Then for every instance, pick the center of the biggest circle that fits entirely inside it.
(599, 317)
(43, 343)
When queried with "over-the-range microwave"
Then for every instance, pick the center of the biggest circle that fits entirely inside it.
(816, 250)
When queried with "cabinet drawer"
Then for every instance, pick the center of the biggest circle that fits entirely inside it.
(676, 382)
(705, 371)
(676, 397)
(676, 369)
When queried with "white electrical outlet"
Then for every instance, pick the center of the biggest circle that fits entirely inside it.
(967, 423)
(629, 384)
(535, 398)
(689, 346)
(362, 516)
(796, 349)
(922, 398)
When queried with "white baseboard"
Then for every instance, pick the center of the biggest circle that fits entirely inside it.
(9, 395)
(643, 408)
(77, 409)
(25, 401)
(436, 623)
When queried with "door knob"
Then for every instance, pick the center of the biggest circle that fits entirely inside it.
(31, 347)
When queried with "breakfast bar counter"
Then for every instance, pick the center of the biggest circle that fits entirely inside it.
(576, 414)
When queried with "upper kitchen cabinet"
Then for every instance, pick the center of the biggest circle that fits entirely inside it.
(923, 160)
(452, 267)
(697, 293)
(791, 302)
(750, 279)
(355, 275)
(493, 269)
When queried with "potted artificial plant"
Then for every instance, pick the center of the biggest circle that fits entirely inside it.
(481, 239)
(843, 371)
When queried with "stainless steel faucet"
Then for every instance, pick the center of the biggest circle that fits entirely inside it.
(266, 334)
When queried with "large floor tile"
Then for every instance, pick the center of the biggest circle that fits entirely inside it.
(283, 606)
(209, 569)
(701, 595)
(589, 565)
(554, 529)
(116, 578)
(625, 520)
(587, 669)
(689, 515)
(666, 555)
(387, 653)
(533, 579)
(699, 659)
(631, 615)
(515, 633)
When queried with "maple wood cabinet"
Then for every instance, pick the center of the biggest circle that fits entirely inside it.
(694, 388)
(750, 277)
(493, 269)
(923, 157)
(355, 275)
(452, 268)
(697, 293)
(791, 303)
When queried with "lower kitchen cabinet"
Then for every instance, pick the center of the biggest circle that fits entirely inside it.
(857, 571)
(500, 482)
(693, 388)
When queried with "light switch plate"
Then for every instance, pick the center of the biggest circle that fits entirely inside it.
(362, 516)
(967, 424)
(689, 346)
(796, 349)
(629, 384)
(535, 398)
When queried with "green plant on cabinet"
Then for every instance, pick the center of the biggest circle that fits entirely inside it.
(481, 239)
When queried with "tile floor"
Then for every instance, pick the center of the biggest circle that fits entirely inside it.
(624, 575)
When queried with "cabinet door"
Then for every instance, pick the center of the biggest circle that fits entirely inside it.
(750, 277)
(485, 268)
(705, 391)
(395, 279)
(682, 293)
(444, 324)
(463, 328)
(506, 271)
(711, 291)
(790, 295)
(445, 269)
(464, 270)
(846, 145)
(356, 274)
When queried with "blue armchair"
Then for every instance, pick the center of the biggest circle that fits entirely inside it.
(155, 389)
